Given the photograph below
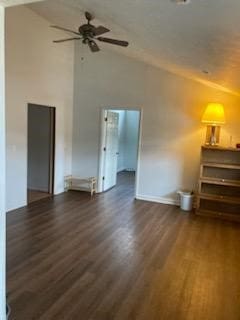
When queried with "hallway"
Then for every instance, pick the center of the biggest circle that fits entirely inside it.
(126, 180)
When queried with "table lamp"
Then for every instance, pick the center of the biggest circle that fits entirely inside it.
(213, 117)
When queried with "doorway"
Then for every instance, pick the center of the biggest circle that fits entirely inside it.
(119, 148)
(41, 147)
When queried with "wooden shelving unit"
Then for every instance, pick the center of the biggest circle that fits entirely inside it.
(219, 183)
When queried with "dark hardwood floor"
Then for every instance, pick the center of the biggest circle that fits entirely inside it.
(111, 257)
(34, 195)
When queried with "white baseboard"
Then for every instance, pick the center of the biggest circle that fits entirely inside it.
(121, 169)
(59, 191)
(158, 199)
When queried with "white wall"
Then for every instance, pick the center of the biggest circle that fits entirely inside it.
(41, 72)
(2, 170)
(94, 91)
(39, 138)
(114, 86)
(172, 132)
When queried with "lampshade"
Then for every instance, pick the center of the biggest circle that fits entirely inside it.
(214, 114)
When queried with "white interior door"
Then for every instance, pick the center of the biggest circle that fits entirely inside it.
(111, 150)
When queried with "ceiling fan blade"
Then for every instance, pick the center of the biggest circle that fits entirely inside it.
(100, 30)
(113, 41)
(93, 46)
(64, 29)
(63, 40)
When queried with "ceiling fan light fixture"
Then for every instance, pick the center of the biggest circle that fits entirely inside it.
(88, 33)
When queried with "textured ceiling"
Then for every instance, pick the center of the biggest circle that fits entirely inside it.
(203, 35)
(9, 3)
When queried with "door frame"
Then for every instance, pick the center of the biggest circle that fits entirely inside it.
(52, 150)
(102, 140)
(52, 145)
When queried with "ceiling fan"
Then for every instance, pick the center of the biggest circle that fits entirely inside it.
(88, 33)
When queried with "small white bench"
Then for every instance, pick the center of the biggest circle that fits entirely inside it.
(75, 183)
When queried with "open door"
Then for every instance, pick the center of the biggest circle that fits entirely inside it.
(110, 149)
(41, 145)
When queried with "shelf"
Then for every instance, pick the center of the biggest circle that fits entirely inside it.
(221, 215)
(223, 182)
(219, 198)
(221, 148)
(219, 183)
(221, 165)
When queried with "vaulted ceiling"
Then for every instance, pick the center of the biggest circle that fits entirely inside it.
(198, 40)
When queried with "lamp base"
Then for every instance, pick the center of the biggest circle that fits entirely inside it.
(213, 135)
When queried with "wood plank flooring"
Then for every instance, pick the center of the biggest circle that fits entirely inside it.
(111, 257)
(34, 195)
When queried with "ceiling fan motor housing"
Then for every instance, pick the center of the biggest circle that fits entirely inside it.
(87, 30)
